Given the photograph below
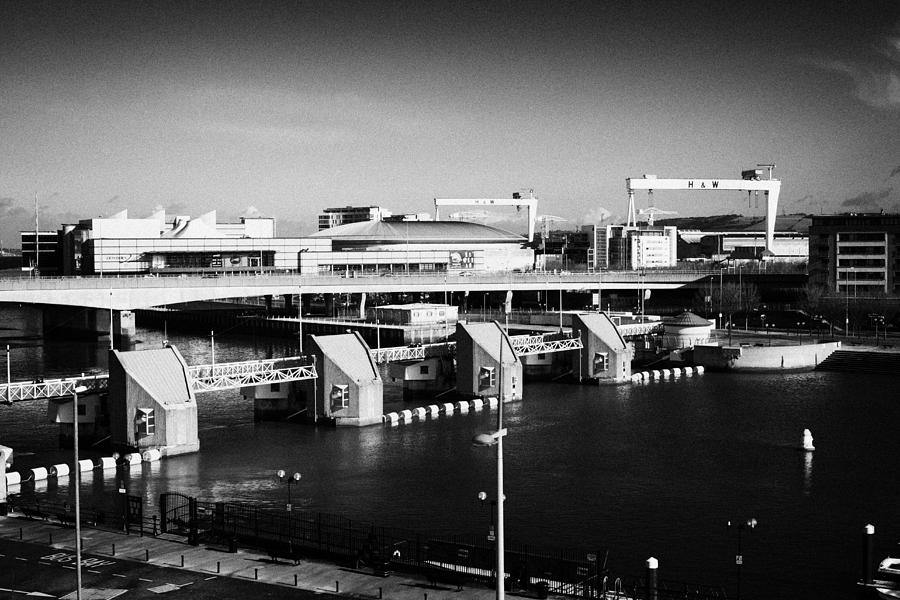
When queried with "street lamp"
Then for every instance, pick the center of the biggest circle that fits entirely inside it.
(290, 480)
(78, 390)
(750, 523)
(495, 438)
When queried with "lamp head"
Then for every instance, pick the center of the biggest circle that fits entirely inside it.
(296, 476)
(482, 496)
(279, 473)
(484, 439)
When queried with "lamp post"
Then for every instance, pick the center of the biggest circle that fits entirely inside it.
(495, 438)
(492, 536)
(78, 390)
(290, 480)
(750, 523)
(212, 349)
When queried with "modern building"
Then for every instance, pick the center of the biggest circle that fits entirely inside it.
(122, 245)
(417, 247)
(621, 247)
(855, 253)
(335, 217)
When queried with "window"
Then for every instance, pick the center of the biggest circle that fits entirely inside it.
(82, 410)
(145, 422)
(340, 397)
(275, 387)
(487, 378)
(423, 370)
(601, 361)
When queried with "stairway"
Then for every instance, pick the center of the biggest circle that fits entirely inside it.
(862, 361)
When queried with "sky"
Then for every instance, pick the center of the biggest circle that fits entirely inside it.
(281, 109)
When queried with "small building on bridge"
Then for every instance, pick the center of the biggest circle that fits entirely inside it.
(606, 355)
(349, 390)
(151, 403)
(486, 362)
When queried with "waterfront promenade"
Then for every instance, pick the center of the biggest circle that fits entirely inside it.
(116, 560)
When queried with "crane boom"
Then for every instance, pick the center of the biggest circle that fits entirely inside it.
(772, 187)
(530, 203)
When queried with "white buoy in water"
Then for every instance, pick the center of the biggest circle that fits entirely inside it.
(808, 441)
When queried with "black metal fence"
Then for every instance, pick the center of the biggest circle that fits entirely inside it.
(443, 559)
(449, 559)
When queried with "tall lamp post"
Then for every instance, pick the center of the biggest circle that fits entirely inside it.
(750, 523)
(495, 438)
(78, 390)
(291, 479)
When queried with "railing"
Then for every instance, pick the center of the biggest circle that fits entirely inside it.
(51, 388)
(525, 345)
(632, 329)
(206, 378)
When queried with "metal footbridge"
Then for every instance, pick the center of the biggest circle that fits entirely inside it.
(524, 345)
(203, 378)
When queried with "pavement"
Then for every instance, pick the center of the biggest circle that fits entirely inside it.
(136, 566)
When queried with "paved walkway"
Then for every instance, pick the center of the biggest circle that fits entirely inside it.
(172, 551)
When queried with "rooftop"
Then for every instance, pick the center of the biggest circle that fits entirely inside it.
(418, 232)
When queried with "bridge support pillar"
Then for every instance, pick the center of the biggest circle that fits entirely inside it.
(288, 303)
(268, 300)
(123, 330)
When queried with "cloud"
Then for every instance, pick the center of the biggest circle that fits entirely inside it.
(877, 78)
(868, 200)
(597, 214)
(251, 211)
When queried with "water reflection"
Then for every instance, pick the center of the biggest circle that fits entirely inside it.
(807, 472)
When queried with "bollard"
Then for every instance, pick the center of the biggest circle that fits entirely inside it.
(218, 567)
(379, 593)
(182, 560)
(51, 538)
(868, 554)
(255, 573)
(20, 533)
(147, 554)
(295, 580)
(650, 584)
(114, 550)
(337, 587)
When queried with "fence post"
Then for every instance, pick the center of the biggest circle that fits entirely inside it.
(193, 535)
(163, 512)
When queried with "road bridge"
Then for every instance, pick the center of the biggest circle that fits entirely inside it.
(129, 293)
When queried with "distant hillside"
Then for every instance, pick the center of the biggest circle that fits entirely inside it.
(798, 223)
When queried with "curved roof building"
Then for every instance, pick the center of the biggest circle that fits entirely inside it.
(367, 234)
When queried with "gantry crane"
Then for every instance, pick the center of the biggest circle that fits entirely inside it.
(516, 200)
(750, 180)
(652, 211)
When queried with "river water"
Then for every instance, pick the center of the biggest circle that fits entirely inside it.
(653, 469)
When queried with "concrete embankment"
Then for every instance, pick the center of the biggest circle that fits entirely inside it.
(758, 357)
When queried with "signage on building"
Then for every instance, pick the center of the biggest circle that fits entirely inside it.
(462, 259)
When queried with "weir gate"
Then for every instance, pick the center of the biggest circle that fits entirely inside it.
(147, 400)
